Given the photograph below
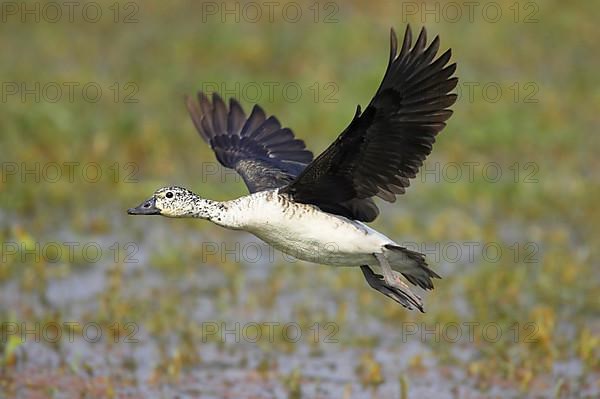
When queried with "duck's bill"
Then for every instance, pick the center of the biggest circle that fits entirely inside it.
(147, 207)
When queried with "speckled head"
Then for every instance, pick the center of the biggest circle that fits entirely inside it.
(172, 201)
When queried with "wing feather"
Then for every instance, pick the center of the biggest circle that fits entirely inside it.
(383, 147)
(265, 154)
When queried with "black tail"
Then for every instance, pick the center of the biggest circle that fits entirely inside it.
(411, 264)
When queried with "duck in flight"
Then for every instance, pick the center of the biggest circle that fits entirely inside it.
(316, 209)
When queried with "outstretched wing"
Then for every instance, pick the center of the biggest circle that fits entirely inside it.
(265, 154)
(385, 146)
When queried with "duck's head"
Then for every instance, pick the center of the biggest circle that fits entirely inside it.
(168, 201)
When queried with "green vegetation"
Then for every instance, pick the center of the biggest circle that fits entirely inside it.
(514, 177)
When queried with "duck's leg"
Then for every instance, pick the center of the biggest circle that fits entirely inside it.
(386, 268)
(391, 284)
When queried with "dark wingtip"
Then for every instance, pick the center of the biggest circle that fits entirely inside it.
(406, 42)
(421, 41)
(393, 44)
(408, 33)
(216, 97)
(234, 103)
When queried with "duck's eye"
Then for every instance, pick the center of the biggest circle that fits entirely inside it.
(169, 194)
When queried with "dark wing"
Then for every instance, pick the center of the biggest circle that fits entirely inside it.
(385, 146)
(265, 154)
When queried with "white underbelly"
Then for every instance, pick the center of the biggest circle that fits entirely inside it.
(320, 238)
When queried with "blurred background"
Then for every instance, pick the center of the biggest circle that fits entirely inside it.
(94, 303)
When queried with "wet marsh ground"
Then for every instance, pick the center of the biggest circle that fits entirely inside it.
(94, 303)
